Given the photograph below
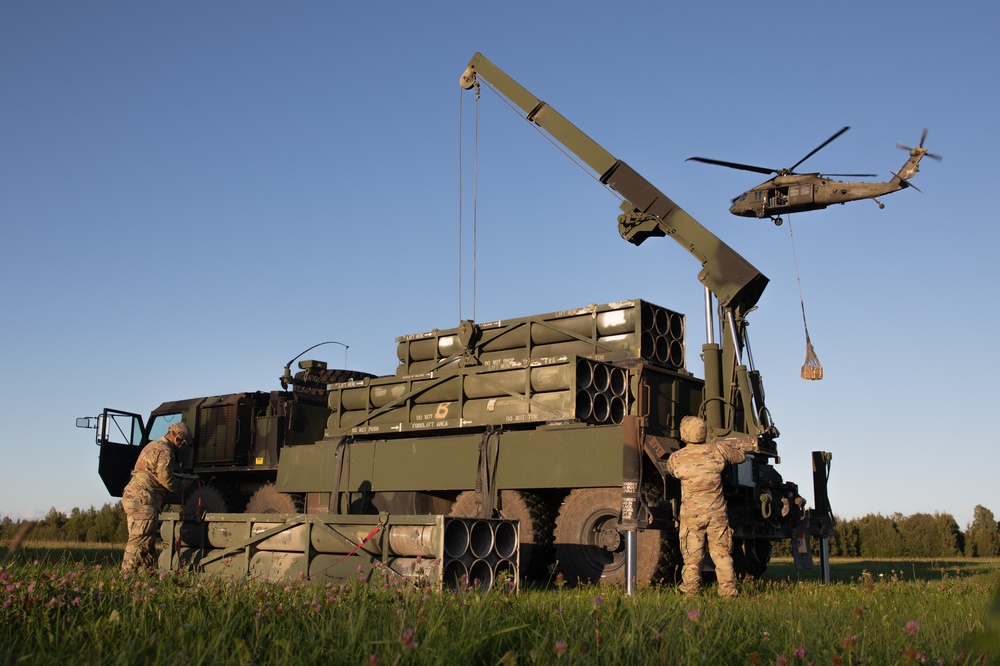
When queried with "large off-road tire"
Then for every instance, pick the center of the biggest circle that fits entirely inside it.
(590, 549)
(535, 526)
(203, 498)
(750, 557)
(268, 500)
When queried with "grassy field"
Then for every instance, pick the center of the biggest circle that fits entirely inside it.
(70, 604)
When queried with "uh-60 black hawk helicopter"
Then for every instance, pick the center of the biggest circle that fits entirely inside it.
(790, 192)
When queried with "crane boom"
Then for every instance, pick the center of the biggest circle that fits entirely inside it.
(647, 212)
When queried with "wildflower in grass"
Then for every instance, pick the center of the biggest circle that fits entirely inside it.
(766, 636)
(912, 627)
(859, 611)
(407, 640)
(694, 614)
(850, 641)
(780, 660)
(800, 652)
(559, 649)
(375, 660)
(598, 599)
(754, 658)
(911, 656)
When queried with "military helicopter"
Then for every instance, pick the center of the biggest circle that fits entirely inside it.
(790, 192)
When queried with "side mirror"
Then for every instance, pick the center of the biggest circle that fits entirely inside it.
(87, 422)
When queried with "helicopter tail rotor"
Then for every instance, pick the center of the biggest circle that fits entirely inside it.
(919, 149)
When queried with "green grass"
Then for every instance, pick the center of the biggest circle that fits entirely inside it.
(70, 604)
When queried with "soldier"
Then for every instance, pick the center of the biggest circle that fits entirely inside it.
(699, 467)
(152, 480)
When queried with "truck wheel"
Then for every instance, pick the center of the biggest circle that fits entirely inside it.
(535, 526)
(589, 547)
(268, 500)
(211, 498)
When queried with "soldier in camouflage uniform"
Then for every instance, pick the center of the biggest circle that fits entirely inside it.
(152, 480)
(699, 467)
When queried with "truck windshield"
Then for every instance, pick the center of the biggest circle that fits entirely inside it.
(160, 423)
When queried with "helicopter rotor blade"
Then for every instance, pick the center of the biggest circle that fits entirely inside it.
(850, 175)
(732, 165)
(818, 148)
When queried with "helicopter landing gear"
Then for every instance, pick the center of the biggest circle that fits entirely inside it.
(880, 204)
(777, 221)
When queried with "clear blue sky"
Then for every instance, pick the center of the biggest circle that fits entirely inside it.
(193, 193)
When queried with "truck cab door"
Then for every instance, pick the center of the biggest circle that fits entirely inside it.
(120, 436)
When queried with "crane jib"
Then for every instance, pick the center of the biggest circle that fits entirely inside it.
(647, 211)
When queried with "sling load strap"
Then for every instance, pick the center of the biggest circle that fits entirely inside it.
(485, 486)
(342, 457)
(811, 369)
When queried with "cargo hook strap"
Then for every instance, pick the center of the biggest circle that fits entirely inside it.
(485, 482)
(341, 457)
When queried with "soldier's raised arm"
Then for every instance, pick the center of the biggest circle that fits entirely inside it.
(734, 448)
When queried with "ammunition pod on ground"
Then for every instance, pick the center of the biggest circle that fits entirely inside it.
(456, 552)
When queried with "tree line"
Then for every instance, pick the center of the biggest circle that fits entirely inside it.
(917, 535)
(104, 525)
(871, 536)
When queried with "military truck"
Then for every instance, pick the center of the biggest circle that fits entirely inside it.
(561, 421)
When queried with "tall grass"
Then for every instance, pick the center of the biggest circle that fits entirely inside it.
(75, 606)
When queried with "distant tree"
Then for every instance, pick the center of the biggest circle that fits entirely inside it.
(878, 536)
(7, 527)
(78, 524)
(109, 525)
(50, 527)
(983, 535)
(926, 535)
(844, 542)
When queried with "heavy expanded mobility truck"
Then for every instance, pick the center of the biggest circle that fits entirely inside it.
(557, 425)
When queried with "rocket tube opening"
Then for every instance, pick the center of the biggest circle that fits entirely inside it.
(661, 321)
(481, 575)
(602, 408)
(481, 539)
(662, 352)
(584, 374)
(676, 330)
(505, 540)
(584, 405)
(617, 410)
(602, 378)
(456, 538)
(455, 574)
(647, 345)
(505, 569)
(676, 353)
(647, 316)
(619, 381)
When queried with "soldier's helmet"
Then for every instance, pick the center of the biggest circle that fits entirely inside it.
(182, 431)
(693, 430)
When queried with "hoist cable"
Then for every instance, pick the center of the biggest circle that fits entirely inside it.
(811, 369)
